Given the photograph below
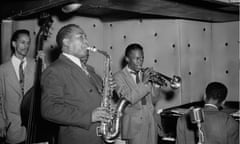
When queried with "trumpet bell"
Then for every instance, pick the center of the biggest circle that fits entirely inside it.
(163, 80)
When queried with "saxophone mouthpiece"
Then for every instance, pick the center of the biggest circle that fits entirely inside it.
(92, 49)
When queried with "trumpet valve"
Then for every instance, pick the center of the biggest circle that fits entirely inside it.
(175, 82)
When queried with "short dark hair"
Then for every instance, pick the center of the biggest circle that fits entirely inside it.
(64, 32)
(217, 91)
(131, 47)
(16, 35)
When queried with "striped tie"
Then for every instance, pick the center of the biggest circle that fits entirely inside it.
(21, 77)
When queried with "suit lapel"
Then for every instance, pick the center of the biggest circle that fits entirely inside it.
(95, 79)
(129, 78)
(132, 83)
(12, 77)
(78, 73)
(29, 73)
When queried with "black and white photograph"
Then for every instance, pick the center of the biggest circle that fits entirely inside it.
(119, 72)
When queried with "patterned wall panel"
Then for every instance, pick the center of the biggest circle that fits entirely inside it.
(92, 26)
(195, 39)
(118, 35)
(225, 56)
(199, 52)
(6, 32)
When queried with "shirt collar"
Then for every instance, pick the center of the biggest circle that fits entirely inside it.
(74, 59)
(211, 105)
(77, 61)
(16, 61)
(130, 70)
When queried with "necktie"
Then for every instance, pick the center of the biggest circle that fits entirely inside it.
(84, 68)
(137, 81)
(21, 77)
(137, 77)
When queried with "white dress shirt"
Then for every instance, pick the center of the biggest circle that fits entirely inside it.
(77, 61)
(133, 75)
(211, 105)
(16, 62)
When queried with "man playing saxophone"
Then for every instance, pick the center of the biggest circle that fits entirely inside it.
(71, 91)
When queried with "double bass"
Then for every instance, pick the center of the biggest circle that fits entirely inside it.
(38, 129)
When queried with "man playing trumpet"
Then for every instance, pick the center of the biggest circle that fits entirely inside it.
(139, 126)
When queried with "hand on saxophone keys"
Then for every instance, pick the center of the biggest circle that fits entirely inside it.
(101, 114)
(112, 82)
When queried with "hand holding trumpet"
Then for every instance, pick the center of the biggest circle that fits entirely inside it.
(147, 75)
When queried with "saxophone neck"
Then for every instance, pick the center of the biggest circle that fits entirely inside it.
(99, 51)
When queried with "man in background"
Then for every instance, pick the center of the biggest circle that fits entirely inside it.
(218, 127)
(16, 78)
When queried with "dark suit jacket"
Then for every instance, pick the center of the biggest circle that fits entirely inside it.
(218, 128)
(68, 98)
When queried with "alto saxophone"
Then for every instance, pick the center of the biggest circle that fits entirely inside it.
(110, 130)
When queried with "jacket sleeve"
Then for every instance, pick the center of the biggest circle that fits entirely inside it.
(3, 117)
(232, 131)
(56, 107)
(132, 93)
(180, 139)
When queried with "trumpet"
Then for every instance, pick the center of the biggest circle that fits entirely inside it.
(163, 80)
